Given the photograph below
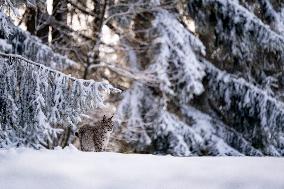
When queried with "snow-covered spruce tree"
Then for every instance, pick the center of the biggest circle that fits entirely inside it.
(152, 113)
(232, 108)
(35, 100)
(246, 44)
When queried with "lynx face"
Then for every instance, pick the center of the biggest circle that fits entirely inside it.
(107, 123)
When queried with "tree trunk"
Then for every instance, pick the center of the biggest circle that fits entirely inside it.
(60, 14)
(99, 11)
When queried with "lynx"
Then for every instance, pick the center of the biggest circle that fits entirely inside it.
(95, 138)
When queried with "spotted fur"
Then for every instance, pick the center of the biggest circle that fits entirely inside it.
(95, 138)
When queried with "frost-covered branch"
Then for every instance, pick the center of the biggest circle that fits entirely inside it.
(31, 47)
(272, 17)
(36, 102)
(216, 138)
(241, 24)
(237, 40)
(248, 109)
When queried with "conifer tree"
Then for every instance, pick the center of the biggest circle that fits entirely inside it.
(218, 89)
(37, 101)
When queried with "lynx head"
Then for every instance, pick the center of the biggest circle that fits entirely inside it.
(107, 123)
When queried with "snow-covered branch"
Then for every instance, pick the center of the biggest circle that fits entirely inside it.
(31, 47)
(236, 38)
(37, 102)
(248, 109)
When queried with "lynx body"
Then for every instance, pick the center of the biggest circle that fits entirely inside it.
(95, 138)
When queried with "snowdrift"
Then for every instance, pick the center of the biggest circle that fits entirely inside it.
(68, 169)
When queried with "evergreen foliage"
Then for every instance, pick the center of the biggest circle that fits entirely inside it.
(226, 101)
(37, 101)
(22, 43)
(216, 89)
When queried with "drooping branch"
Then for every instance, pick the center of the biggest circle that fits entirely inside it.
(37, 102)
(247, 109)
(31, 47)
(236, 39)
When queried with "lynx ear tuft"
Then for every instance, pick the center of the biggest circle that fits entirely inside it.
(110, 118)
(104, 118)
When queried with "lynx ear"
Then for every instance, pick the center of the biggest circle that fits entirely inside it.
(104, 118)
(110, 118)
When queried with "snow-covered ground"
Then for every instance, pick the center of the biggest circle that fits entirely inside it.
(68, 169)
